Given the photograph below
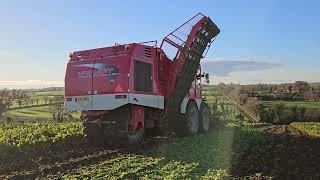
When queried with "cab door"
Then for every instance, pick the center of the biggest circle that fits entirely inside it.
(78, 84)
(110, 80)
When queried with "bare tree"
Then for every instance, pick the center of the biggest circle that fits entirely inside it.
(19, 101)
(59, 113)
(6, 99)
(31, 102)
(26, 101)
(46, 99)
(3, 106)
(278, 108)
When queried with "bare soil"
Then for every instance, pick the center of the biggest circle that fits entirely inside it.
(283, 152)
(61, 160)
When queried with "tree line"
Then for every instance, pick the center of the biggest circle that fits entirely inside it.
(276, 111)
(17, 98)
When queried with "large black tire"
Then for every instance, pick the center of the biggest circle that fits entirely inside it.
(205, 121)
(192, 118)
(188, 123)
(93, 134)
(137, 137)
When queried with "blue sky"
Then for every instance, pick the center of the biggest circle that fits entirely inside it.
(260, 41)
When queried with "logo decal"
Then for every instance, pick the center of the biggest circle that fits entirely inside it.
(111, 72)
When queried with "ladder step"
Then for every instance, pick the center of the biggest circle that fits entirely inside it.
(192, 55)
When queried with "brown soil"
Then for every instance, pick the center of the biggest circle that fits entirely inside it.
(63, 159)
(282, 152)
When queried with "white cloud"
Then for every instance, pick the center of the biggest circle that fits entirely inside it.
(222, 67)
(249, 71)
(31, 84)
(274, 76)
(3, 52)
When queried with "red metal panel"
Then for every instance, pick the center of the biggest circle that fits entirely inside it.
(78, 79)
(110, 75)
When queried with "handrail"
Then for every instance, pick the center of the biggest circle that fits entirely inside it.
(146, 42)
(187, 22)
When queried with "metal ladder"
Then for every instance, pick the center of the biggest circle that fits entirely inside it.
(191, 49)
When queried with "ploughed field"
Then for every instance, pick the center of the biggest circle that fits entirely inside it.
(230, 150)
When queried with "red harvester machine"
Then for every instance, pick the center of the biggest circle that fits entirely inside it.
(127, 89)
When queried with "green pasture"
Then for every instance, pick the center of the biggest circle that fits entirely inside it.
(43, 112)
(306, 104)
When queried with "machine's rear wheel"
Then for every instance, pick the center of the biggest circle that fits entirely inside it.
(93, 133)
(112, 129)
(205, 117)
(192, 118)
(136, 137)
(188, 123)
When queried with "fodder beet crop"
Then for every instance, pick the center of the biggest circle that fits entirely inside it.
(19, 135)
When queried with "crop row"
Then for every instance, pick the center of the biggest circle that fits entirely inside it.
(21, 134)
(311, 128)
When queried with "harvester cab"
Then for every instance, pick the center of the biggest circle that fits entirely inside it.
(124, 89)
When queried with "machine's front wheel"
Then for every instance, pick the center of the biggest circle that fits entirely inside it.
(192, 118)
(205, 117)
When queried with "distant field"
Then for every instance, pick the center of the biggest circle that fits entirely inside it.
(316, 84)
(40, 96)
(306, 104)
(43, 112)
(34, 112)
(41, 101)
(49, 93)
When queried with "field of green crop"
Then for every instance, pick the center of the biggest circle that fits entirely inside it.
(21, 134)
(311, 128)
(206, 156)
(234, 149)
(243, 150)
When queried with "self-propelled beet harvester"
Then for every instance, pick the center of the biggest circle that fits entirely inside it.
(127, 89)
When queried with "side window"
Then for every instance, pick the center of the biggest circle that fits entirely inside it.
(143, 76)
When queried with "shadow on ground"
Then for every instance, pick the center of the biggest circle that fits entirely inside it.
(247, 152)
(281, 152)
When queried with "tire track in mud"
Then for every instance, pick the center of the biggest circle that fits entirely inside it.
(61, 163)
(61, 167)
(279, 151)
(297, 149)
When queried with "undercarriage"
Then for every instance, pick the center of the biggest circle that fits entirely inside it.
(113, 128)
(122, 127)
